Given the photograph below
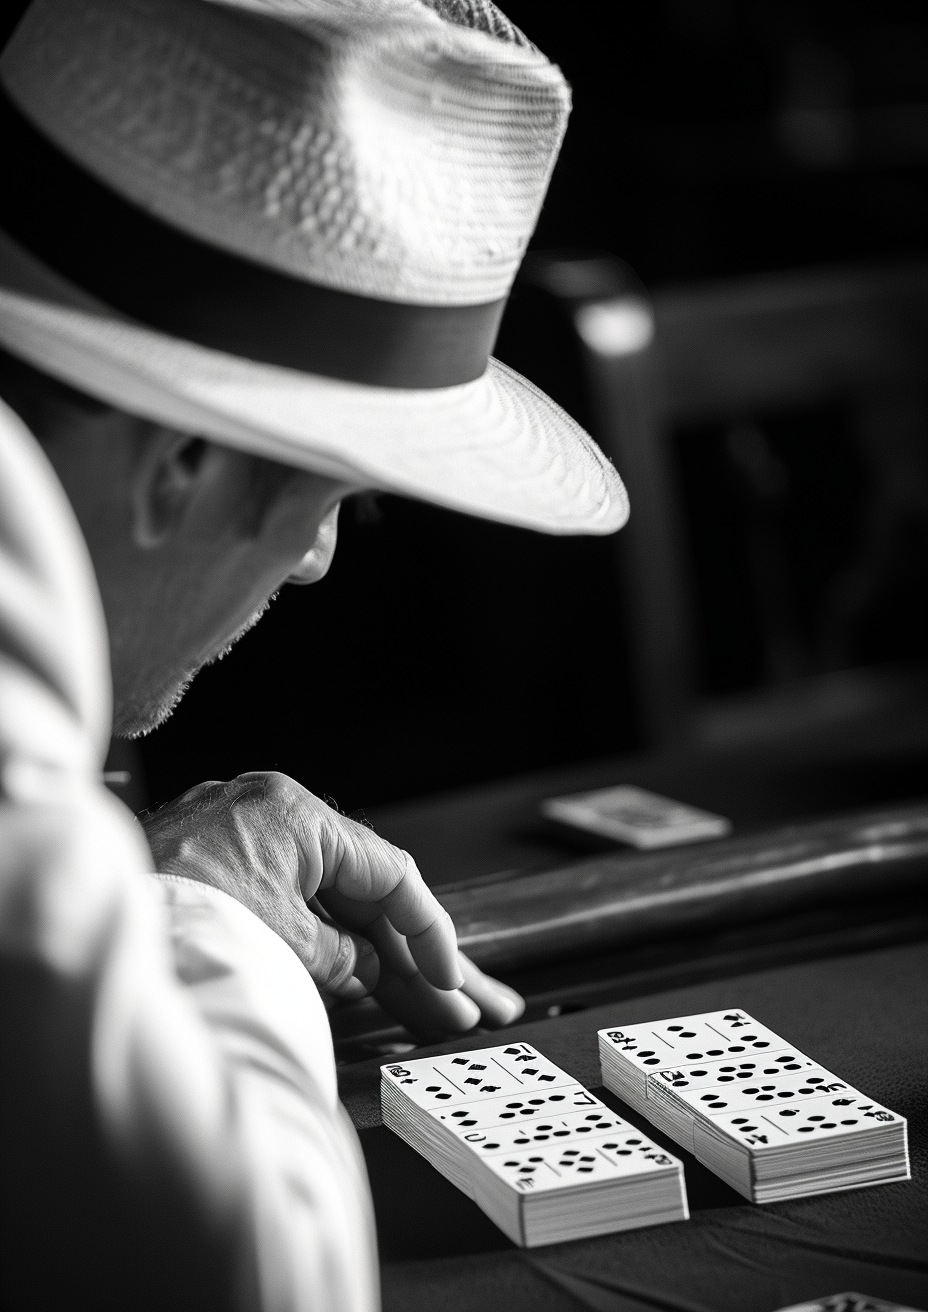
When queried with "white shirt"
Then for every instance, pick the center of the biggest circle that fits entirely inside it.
(197, 1042)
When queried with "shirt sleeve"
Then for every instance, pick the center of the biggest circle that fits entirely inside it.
(311, 1210)
(170, 1131)
(169, 1118)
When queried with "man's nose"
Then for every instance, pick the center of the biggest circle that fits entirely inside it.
(315, 564)
(308, 569)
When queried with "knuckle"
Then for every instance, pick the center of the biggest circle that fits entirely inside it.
(390, 866)
(193, 800)
(205, 789)
(443, 920)
(272, 783)
(286, 795)
(410, 869)
(393, 860)
(269, 791)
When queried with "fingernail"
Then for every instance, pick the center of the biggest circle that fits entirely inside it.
(511, 1004)
(513, 1007)
(468, 1011)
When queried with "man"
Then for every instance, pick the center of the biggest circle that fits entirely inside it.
(252, 260)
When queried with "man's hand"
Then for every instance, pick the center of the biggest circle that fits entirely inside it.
(351, 906)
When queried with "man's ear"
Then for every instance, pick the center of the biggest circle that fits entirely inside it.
(170, 473)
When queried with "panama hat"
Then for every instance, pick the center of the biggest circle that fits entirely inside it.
(291, 226)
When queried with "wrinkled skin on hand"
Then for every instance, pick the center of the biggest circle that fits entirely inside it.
(352, 907)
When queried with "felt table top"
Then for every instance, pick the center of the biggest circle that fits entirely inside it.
(861, 1015)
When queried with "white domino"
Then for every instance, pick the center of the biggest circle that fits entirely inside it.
(757, 1111)
(593, 1122)
(735, 1072)
(516, 1067)
(687, 1040)
(544, 1158)
(550, 1168)
(516, 1110)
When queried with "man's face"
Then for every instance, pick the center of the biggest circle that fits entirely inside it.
(190, 541)
(201, 604)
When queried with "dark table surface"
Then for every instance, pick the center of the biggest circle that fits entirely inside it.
(861, 1014)
(845, 985)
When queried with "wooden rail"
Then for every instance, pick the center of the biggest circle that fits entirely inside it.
(607, 901)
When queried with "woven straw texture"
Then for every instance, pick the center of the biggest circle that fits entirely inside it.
(398, 149)
(497, 447)
(375, 148)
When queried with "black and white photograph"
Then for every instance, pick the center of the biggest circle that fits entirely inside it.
(464, 656)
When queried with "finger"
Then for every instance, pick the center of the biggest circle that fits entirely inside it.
(414, 910)
(433, 951)
(425, 1011)
(499, 1005)
(342, 965)
(392, 948)
(372, 871)
(431, 1012)
(402, 989)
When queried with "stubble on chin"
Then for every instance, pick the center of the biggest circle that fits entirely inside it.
(140, 714)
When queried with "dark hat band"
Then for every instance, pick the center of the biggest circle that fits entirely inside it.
(179, 285)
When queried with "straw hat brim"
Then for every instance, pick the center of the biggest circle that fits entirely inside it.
(496, 447)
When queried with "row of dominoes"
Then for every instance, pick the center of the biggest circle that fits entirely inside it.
(765, 1117)
(548, 1161)
(544, 1158)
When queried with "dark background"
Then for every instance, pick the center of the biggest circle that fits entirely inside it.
(710, 138)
